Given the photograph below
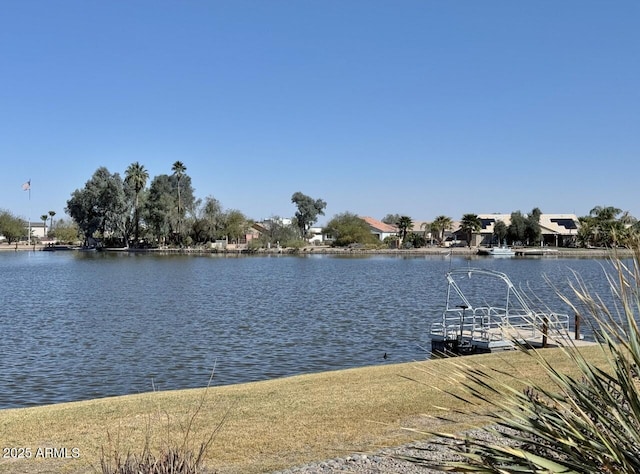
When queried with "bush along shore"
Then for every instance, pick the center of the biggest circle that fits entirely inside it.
(523, 252)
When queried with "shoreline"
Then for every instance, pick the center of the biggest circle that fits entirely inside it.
(325, 250)
(357, 420)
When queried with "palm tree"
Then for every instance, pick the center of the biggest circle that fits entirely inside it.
(605, 213)
(44, 218)
(627, 219)
(442, 223)
(470, 224)
(404, 224)
(136, 176)
(51, 213)
(604, 219)
(426, 230)
(179, 169)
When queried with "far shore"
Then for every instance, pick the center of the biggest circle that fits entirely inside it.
(323, 249)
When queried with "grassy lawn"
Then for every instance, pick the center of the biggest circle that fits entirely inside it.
(263, 426)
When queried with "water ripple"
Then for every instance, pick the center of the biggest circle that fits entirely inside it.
(79, 325)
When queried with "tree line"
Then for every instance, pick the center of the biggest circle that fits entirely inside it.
(111, 210)
(117, 211)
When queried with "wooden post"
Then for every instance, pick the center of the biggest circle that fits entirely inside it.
(577, 326)
(545, 331)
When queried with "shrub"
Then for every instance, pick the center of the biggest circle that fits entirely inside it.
(182, 456)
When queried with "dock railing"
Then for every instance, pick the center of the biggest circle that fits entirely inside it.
(504, 325)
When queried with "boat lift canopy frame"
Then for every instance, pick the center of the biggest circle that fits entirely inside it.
(487, 327)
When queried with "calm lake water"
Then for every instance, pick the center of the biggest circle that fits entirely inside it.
(80, 325)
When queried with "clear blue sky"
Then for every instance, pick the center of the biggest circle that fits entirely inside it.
(412, 107)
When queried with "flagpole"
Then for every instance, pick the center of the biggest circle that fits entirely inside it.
(29, 213)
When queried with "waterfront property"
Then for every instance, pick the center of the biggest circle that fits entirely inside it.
(558, 230)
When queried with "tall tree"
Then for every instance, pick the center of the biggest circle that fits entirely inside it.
(391, 219)
(470, 224)
(442, 224)
(517, 231)
(51, 214)
(500, 231)
(179, 170)
(604, 213)
(533, 231)
(44, 218)
(136, 176)
(100, 206)
(308, 211)
(158, 207)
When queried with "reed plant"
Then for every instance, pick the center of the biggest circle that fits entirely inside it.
(581, 423)
(181, 455)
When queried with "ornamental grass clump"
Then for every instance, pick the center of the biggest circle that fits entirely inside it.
(583, 420)
(181, 455)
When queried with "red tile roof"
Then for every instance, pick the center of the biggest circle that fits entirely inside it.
(379, 225)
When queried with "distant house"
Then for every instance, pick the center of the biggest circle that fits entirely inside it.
(418, 227)
(315, 235)
(486, 234)
(380, 229)
(558, 230)
(39, 230)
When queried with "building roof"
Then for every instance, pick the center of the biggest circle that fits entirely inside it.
(418, 226)
(559, 223)
(379, 225)
(489, 221)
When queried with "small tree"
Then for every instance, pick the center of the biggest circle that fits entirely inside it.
(416, 240)
(13, 228)
(66, 231)
(347, 228)
(235, 225)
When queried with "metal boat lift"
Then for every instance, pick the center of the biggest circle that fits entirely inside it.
(487, 325)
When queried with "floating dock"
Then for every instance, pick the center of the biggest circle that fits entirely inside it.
(501, 320)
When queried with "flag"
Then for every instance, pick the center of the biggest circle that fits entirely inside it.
(26, 186)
